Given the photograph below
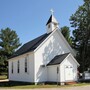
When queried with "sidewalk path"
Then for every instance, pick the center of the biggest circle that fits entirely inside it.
(4, 80)
(67, 88)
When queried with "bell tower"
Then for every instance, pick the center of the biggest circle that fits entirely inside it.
(52, 23)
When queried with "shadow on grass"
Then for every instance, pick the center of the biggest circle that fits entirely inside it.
(13, 83)
(84, 81)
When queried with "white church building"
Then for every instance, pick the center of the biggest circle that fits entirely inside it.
(47, 58)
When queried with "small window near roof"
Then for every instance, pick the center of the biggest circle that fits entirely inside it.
(70, 66)
(66, 66)
(49, 26)
(25, 65)
(55, 24)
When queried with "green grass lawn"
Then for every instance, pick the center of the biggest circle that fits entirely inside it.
(2, 77)
(20, 85)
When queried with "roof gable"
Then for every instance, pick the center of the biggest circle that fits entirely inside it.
(51, 19)
(31, 45)
(74, 59)
(62, 37)
(67, 44)
(58, 59)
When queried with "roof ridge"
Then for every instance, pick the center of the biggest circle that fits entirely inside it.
(58, 59)
(39, 40)
(62, 54)
(30, 45)
(33, 39)
(50, 19)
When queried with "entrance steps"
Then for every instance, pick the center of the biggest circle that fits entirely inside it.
(70, 83)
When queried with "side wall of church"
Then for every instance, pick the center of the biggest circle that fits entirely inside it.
(22, 75)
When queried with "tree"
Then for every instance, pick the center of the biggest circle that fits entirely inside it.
(66, 33)
(9, 42)
(81, 35)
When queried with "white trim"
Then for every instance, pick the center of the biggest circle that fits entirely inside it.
(35, 49)
(66, 43)
(53, 65)
(45, 40)
(20, 56)
(64, 59)
(73, 59)
(57, 29)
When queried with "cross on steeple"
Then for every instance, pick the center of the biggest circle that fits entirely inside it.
(52, 23)
(52, 11)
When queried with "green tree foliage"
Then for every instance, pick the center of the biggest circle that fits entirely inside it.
(66, 33)
(9, 42)
(81, 35)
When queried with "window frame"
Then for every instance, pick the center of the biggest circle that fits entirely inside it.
(49, 26)
(12, 68)
(26, 65)
(18, 66)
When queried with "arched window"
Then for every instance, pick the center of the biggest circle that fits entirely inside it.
(26, 65)
(12, 68)
(18, 66)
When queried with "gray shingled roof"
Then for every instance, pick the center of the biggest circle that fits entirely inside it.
(50, 20)
(30, 46)
(58, 59)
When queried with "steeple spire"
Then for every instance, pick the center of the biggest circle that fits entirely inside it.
(52, 23)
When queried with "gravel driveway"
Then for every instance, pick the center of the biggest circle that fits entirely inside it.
(65, 88)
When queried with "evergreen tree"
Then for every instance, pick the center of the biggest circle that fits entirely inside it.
(81, 35)
(9, 42)
(66, 33)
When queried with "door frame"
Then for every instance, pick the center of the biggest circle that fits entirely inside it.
(65, 73)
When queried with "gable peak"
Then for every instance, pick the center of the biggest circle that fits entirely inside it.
(52, 19)
(52, 24)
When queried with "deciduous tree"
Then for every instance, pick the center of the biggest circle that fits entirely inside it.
(81, 35)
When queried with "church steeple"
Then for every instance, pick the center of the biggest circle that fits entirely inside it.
(52, 23)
